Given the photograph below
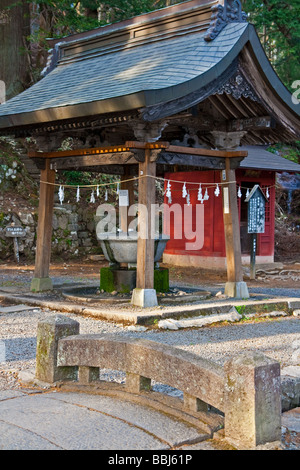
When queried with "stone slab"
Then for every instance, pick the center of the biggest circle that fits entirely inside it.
(75, 421)
(15, 438)
(17, 308)
(41, 284)
(7, 394)
(141, 316)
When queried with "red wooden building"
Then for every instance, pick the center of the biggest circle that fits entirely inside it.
(259, 167)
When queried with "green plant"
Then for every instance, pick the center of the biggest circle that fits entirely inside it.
(241, 309)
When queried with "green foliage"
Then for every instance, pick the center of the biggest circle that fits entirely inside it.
(82, 178)
(290, 152)
(62, 17)
(277, 23)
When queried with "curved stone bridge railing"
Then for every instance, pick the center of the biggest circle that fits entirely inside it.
(246, 390)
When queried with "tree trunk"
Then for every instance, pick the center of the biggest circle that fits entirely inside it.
(14, 60)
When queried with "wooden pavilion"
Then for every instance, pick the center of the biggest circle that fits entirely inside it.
(126, 92)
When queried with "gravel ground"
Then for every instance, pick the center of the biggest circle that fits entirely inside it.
(277, 338)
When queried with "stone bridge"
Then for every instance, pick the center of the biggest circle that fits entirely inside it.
(243, 397)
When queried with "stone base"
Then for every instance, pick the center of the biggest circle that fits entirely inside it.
(238, 290)
(41, 284)
(144, 298)
(124, 280)
(120, 280)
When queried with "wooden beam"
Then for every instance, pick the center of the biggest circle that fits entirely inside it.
(214, 163)
(251, 124)
(121, 154)
(187, 150)
(122, 158)
(207, 152)
(41, 280)
(79, 152)
(146, 145)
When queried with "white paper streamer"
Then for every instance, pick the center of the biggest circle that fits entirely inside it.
(168, 192)
(188, 199)
(184, 191)
(200, 196)
(61, 194)
(217, 191)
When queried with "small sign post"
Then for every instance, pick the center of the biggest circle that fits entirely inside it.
(15, 232)
(123, 208)
(256, 221)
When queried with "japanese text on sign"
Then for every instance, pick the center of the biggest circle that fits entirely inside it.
(256, 215)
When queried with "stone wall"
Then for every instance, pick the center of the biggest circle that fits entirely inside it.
(73, 232)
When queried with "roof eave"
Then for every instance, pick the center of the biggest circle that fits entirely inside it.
(112, 105)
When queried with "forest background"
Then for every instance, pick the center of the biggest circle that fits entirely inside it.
(26, 26)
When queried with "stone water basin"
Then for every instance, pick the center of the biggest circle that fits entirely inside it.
(121, 247)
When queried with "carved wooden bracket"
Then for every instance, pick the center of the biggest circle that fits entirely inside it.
(227, 140)
(148, 132)
(238, 86)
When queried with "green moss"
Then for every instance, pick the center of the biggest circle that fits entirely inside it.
(107, 280)
(108, 284)
(124, 289)
(161, 280)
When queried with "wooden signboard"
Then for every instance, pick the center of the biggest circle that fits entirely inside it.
(256, 210)
(256, 220)
(15, 232)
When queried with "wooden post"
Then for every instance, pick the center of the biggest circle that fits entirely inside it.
(144, 295)
(253, 255)
(41, 280)
(235, 287)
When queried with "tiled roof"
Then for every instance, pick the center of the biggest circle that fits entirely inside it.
(260, 158)
(153, 66)
(157, 64)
